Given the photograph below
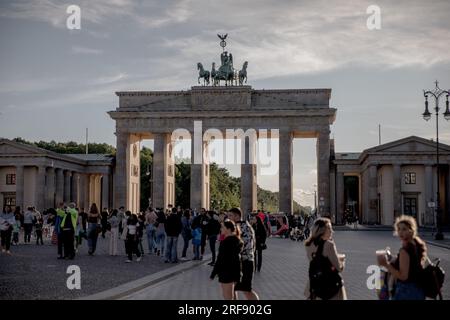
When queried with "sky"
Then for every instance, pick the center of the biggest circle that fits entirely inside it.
(55, 82)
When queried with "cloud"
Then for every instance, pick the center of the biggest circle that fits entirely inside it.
(84, 50)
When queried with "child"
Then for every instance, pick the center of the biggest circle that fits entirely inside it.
(16, 229)
(38, 228)
(196, 240)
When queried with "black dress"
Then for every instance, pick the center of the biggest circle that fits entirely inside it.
(228, 264)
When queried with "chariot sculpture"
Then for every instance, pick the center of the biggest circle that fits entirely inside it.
(225, 72)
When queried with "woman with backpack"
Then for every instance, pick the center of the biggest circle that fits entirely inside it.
(324, 258)
(408, 266)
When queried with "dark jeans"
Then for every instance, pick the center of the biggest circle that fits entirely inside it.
(92, 237)
(6, 238)
(186, 240)
(28, 227)
(60, 244)
(131, 246)
(39, 236)
(68, 239)
(203, 243)
(212, 246)
(258, 259)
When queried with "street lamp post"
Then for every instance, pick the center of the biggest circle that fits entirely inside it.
(437, 93)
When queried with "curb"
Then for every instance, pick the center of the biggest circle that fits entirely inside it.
(437, 244)
(147, 281)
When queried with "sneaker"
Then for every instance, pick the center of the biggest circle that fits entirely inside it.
(3, 250)
(166, 261)
(211, 263)
(8, 253)
(139, 259)
(128, 261)
(184, 259)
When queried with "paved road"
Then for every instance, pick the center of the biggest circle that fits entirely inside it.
(33, 272)
(285, 268)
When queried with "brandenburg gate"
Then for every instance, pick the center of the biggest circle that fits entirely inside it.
(295, 113)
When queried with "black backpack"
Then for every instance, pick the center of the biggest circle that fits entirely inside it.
(432, 279)
(324, 280)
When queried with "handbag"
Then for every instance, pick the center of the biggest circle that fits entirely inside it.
(54, 238)
(98, 229)
(263, 246)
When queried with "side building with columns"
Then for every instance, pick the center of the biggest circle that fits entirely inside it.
(31, 176)
(389, 180)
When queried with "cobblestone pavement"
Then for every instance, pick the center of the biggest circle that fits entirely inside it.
(284, 270)
(33, 272)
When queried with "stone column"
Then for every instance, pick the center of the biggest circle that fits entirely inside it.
(429, 195)
(323, 172)
(199, 193)
(82, 192)
(121, 173)
(67, 175)
(105, 191)
(50, 189)
(397, 190)
(40, 188)
(249, 200)
(340, 188)
(206, 197)
(373, 194)
(19, 186)
(76, 188)
(59, 186)
(285, 193)
(163, 172)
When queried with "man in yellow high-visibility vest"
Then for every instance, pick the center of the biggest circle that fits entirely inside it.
(68, 227)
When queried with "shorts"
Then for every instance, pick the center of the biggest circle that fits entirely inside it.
(247, 276)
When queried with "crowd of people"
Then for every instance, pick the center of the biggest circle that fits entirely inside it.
(241, 238)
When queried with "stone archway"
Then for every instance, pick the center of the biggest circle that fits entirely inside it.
(298, 113)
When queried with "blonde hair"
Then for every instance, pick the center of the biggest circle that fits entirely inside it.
(411, 224)
(408, 221)
(318, 230)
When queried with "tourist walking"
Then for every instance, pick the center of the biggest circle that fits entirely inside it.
(320, 244)
(196, 238)
(173, 230)
(60, 213)
(150, 219)
(213, 231)
(93, 228)
(7, 221)
(186, 232)
(114, 222)
(260, 237)
(16, 230)
(247, 255)
(68, 225)
(28, 220)
(406, 269)
(228, 264)
(38, 228)
(160, 232)
(131, 242)
(104, 221)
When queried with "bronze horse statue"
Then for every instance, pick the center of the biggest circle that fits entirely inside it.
(203, 74)
(243, 73)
